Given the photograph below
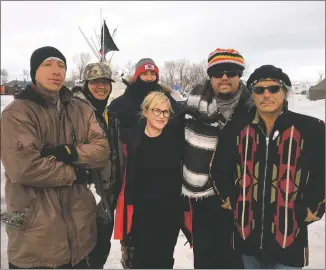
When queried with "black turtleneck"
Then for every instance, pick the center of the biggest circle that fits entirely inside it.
(128, 105)
(140, 89)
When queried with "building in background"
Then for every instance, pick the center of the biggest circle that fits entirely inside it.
(15, 86)
(3, 89)
(317, 91)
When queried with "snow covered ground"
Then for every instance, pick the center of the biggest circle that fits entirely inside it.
(183, 254)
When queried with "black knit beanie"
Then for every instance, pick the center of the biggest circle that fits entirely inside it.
(268, 71)
(39, 55)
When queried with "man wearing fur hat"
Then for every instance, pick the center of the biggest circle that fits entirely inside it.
(49, 145)
(271, 172)
(209, 109)
(127, 108)
(108, 180)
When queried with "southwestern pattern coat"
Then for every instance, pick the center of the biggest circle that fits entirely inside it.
(273, 181)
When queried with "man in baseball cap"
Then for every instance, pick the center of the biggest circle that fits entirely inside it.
(96, 90)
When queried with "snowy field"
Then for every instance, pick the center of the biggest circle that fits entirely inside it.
(183, 255)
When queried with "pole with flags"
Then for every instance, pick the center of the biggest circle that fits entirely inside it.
(103, 36)
(113, 35)
(105, 43)
(90, 45)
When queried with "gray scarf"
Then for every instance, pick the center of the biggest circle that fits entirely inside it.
(203, 105)
(227, 106)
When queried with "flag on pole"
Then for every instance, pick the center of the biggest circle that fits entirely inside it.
(107, 43)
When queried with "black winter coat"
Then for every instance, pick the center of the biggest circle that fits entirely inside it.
(127, 107)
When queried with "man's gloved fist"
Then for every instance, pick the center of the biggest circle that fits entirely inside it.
(63, 152)
(83, 176)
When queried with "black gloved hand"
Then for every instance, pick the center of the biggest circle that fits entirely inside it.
(83, 176)
(63, 152)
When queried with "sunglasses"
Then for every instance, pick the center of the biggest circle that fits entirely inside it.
(273, 89)
(157, 112)
(229, 74)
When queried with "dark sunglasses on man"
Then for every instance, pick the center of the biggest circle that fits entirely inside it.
(229, 74)
(273, 89)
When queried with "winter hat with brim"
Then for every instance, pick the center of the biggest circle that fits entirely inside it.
(225, 60)
(43, 54)
(96, 71)
(268, 72)
(143, 65)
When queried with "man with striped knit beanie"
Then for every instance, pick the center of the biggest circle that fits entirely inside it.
(209, 110)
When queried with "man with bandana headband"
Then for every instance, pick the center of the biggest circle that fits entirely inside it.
(270, 170)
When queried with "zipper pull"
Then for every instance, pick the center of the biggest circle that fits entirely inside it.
(73, 137)
(276, 133)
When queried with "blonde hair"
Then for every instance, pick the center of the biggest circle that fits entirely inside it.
(154, 99)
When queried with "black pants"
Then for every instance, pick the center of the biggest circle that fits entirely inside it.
(155, 231)
(81, 265)
(212, 227)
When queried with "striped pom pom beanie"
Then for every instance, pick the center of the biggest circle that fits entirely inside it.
(225, 60)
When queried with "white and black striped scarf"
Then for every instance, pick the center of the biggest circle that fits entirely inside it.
(205, 116)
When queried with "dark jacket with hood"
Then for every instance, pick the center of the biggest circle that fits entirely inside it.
(272, 181)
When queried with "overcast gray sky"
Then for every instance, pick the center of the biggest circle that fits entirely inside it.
(290, 35)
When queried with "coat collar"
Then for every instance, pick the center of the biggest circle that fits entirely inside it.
(30, 94)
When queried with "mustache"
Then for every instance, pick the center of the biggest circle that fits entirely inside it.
(225, 82)
(266, 101)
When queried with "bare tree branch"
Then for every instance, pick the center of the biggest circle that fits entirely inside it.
(81, 60)
(247, 70)
(4, 76)
(129, 69)
(74, 75)
(185, 74)
(26, 74)
(321, 75)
